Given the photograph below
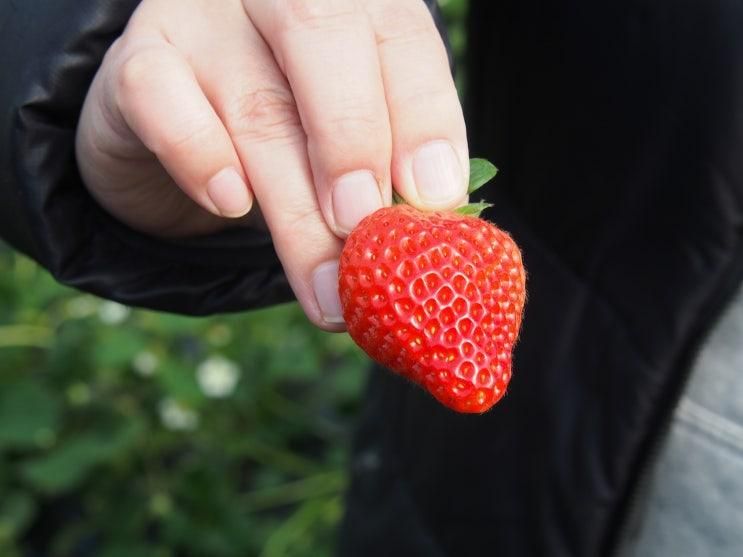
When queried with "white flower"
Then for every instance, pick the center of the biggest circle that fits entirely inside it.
(176, 416)
(217, 377)
(145, 363)
(113, 313)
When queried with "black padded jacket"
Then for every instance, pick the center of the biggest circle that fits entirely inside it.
(618, 131)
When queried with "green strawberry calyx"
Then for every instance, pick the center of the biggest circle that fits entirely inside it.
(481, 172)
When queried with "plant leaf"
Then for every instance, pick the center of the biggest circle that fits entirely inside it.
(29, 412)
(73, 460)
(481, 172)
(473, 209)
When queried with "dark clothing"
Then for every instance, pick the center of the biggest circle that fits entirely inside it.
(618, 131)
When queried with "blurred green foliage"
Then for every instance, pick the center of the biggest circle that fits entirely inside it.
(130, 433)
(147, 434)
(455, 16)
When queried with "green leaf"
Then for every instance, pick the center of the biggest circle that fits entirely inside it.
(25, 336)
(63, 468)
(29, 415)
(325, 483)
(297, 529)
(66, 466)
(473, 209)
(116, 348)
(481, 172)
(397, 199)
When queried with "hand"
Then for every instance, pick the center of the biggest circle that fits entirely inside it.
(313, 108)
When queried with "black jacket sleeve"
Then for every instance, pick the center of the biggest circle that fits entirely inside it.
(49, 53)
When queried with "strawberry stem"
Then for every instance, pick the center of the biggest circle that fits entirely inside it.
(473, 209)
(481, 172)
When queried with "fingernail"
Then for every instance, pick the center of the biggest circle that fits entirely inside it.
(438, 173)
(325, 284)
(355, 195)
(229, 193)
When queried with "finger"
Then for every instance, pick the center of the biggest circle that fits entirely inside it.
(430, 161)
(159, 98)
(253, 99)
(327, 50)
(307, 248)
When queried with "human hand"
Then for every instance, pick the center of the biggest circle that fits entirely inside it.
(313, 108)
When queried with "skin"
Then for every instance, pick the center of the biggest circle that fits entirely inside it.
(290, 114)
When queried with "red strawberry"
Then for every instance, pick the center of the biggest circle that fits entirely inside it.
(436, 297)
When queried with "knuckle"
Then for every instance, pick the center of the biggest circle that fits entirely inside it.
(349, 135)
(302, 220)
(439, 100)
(139, 65)
(305, 227)
(409, 23)
(353, 125)
(298, 14)
(300, 227)
(264, 114)
(188, 134)
(134, 72)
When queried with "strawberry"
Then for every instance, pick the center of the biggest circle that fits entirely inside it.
(436, 297)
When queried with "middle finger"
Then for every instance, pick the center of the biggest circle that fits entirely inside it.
(327, 50)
